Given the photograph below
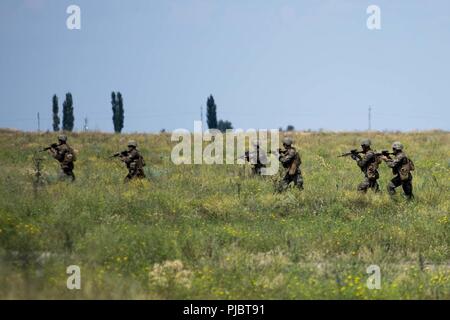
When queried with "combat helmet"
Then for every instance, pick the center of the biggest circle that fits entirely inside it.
(287, 141)
(132, 143)
(366, 143)
(397, 145)
(62, 138)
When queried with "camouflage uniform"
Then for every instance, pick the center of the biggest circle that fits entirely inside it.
(66, 157)
(401, 168)
(135, 163)
(368, 164)
(290, 159)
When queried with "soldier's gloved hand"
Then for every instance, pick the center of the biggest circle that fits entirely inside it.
(354, 157)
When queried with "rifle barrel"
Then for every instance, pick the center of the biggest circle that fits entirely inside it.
(123, 153)
(355, 152)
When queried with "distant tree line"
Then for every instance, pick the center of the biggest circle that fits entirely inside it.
(211, 116)
(68, 118)
(289, 128)
(118, 112)
(55, 109)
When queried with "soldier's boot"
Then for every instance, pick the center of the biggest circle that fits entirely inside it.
(284, 184)
(299, 182)
(395, 183)
(71, 176)
(391, 188)
(128, 178)
(407, 189)
(363, 186)
(140, 174)
(375, 186)
(65, 175)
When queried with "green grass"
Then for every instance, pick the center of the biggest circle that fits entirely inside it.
(207, 232)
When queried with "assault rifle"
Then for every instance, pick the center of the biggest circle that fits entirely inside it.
(352, 152)
(277, 152)
(384, 153)
(119, 154)
(52, 146)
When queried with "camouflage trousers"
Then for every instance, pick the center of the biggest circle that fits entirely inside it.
(66, 174)
(367, 184)
(406, 185)
(135, 174)
(296, 178)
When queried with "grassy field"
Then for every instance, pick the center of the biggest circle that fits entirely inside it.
(211, 232)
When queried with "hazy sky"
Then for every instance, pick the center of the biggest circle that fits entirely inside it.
(313, 64)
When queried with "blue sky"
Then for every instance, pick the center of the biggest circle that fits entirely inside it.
(312, 63)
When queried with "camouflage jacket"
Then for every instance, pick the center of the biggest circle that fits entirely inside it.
(368, 163)
(134, 160)
(400, 165)
(64, 154)
(290, 159)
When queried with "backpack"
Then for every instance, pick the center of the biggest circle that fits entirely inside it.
(412, 167)
(140, 161)
(406, 169)
(74, 154)
(295, 164)
(70, 155)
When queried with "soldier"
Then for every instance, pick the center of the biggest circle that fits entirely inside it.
(368, 163)
(257, 158)
(66, 157)
(290, 159)
(134, 161)
(401, 167)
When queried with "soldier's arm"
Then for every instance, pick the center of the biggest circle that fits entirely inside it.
(394, 163)
(389, 162)
(368, 159)
(52, 152)
(127, 159)
(287, 157)
(132, 156)
(59, 154)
